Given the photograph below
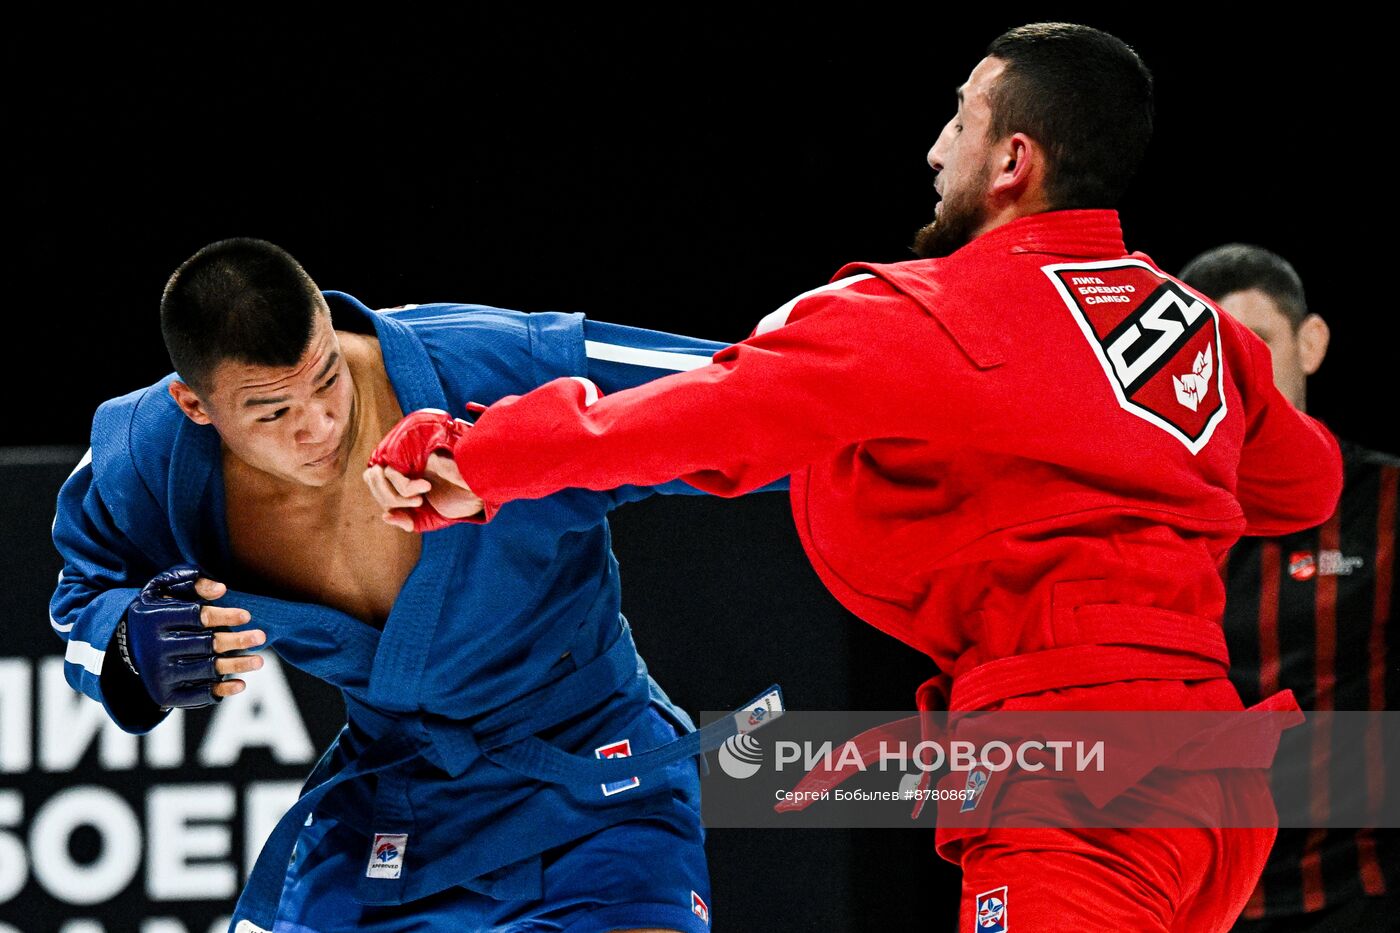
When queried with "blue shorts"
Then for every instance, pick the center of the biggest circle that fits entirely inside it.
(648, 872)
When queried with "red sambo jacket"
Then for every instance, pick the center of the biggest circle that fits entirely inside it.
(1023, 459)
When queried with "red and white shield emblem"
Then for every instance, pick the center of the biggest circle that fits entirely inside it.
(1158, 343)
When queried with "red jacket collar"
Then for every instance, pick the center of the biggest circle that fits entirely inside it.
(1092, 234)
(1087, 233)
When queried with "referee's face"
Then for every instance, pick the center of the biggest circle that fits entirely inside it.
(1295, 350)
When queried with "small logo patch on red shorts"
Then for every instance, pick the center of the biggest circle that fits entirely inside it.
(991, 911)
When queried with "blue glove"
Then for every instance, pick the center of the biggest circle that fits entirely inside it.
(164, 643)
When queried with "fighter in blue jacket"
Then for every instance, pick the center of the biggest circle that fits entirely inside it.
(507, 762)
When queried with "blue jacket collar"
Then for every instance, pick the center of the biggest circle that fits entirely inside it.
(399, 654)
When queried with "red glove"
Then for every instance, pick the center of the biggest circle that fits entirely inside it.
(407, 447)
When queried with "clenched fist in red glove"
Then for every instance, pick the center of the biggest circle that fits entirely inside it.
(413, 476)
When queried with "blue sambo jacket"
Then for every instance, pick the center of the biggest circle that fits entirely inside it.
(502, 634)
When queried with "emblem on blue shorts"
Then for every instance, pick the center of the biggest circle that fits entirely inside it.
(699, 908)
(386, 855)
(973, 787)
(621, 749)
(991, 911)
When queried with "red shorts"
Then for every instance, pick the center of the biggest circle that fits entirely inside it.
(1187, 879)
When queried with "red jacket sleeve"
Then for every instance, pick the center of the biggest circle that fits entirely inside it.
(1290, 474)
(835, 374)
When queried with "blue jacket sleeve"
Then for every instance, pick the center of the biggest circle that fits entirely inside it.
(102, 573)
(621, 357)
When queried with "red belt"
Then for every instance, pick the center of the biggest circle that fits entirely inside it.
(1115, 643)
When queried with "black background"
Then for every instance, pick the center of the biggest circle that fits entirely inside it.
(675, 168)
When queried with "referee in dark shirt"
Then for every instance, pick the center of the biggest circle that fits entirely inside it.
(1311, 612)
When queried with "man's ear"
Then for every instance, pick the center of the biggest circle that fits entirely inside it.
(189, 402)
(1313, 337)
(1018, 165)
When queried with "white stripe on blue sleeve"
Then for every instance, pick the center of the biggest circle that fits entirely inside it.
(85, 656)
(619, 357)
(59, 626)
(636, 356)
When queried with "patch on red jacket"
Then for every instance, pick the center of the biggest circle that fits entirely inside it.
(1158, 343)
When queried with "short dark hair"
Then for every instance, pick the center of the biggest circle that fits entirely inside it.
(1082, 94)
(1238, 267)
(241, 299)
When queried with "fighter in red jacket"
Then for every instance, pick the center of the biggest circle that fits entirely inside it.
(1023, 458)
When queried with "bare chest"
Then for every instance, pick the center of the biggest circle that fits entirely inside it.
(336, 553)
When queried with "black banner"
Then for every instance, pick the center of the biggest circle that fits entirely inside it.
(102, 831)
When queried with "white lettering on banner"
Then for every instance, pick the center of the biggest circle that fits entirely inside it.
(263, 805)
(14, 861)
(68, 725)
(148, 925)
(174, 925)
(15, 738)
(175, 839)
(188, 850)
(69, 722)
(115, 865)
(163, 925)
(265, 714)
(1092, 755)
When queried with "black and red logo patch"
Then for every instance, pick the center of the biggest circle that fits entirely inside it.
(1158, 343)
(1302, 565)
